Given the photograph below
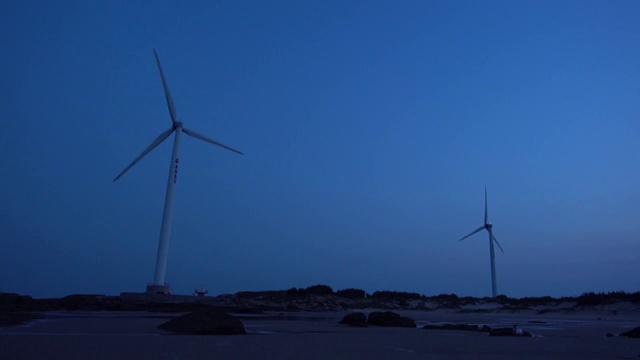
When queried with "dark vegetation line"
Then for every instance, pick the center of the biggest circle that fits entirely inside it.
(587, 298)
(316, 297)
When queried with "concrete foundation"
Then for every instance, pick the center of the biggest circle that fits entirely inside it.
(159, 289)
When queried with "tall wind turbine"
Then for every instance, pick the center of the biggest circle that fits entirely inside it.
(489, 227)
(159, 286)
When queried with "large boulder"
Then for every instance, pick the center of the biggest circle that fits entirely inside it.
(354, 319)
(508, 332)
(633, 333)
(205, 322)
(391, 319)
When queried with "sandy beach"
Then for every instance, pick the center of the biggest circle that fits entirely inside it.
(316, 335)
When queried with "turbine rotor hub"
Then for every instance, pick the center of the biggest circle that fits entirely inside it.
(488, 226)
(178, 124)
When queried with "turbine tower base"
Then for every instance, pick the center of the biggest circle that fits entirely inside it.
(158, 289)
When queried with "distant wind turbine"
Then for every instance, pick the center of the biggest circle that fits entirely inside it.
(489, 227)
(159, 285)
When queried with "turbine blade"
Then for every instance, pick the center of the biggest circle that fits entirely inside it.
(474, 231)
(494, 239)
(167, 94)
(152, 146)
(486, 212)
(204, 138)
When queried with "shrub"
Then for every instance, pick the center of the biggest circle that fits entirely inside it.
(318, 290)
(351, 293)
(395, 295)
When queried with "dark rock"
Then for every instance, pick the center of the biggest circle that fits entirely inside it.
(634, 333)
(390, 319)
(205, 322)
(610, 335)
(508, 332)
(354, 319)
(486, 328)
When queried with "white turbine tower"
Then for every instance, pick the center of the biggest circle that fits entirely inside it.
(489, 227)
(159, 285)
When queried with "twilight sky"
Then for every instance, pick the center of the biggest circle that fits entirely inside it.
(370, 129)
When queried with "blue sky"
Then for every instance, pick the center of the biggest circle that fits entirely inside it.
(370, 129)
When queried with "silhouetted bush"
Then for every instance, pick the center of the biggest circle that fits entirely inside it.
(351, 293)
(286, 294)
(266, 295)
(395, 295)
(446, 297)
(525, 302)
(586, 299)
(293, 292)
(318, 290)
(534, 301)
(591, 299)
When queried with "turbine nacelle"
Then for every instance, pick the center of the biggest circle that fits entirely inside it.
(488, 226)
(178, 124)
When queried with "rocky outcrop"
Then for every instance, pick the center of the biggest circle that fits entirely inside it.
(633, 333)
(357, 319)
(508, 332)
(205, 322)
(390, 319)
